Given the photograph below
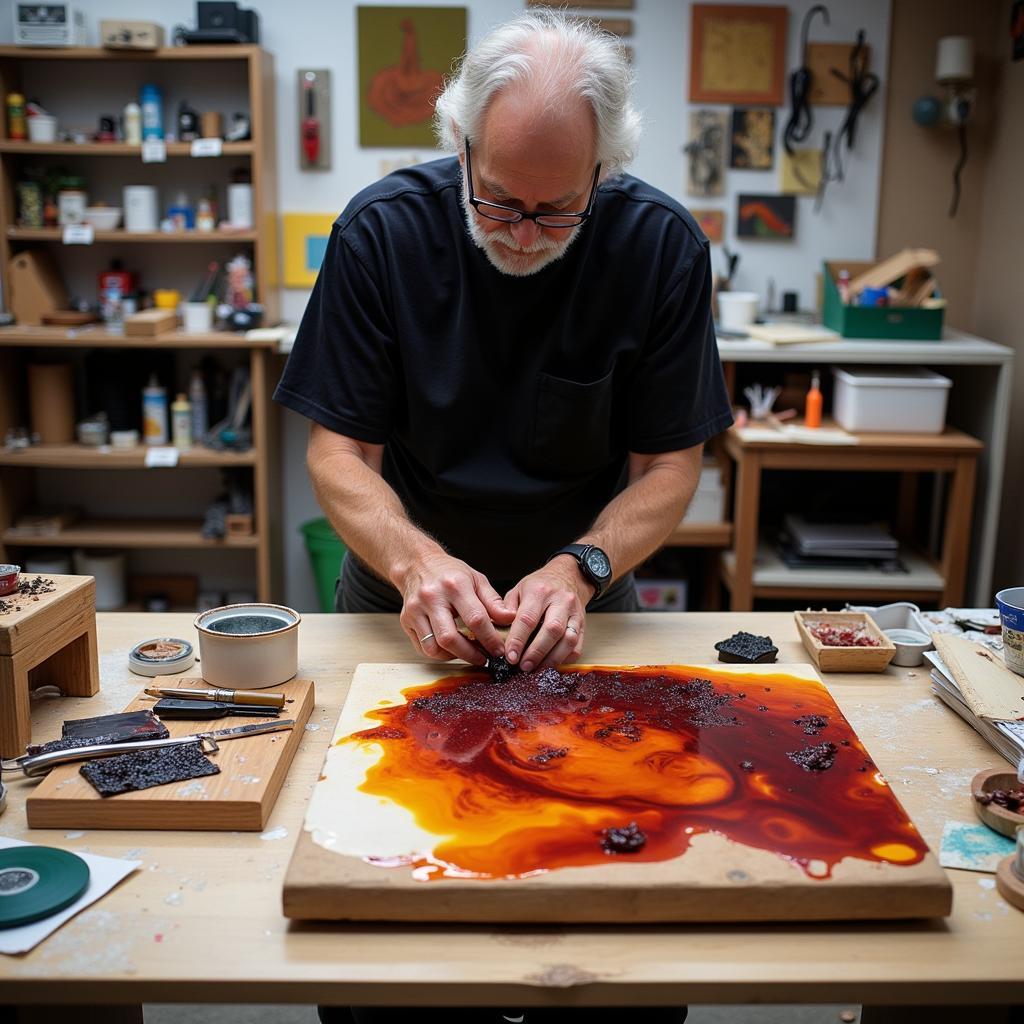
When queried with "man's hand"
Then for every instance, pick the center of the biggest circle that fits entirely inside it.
(549, 607)
(437, 589)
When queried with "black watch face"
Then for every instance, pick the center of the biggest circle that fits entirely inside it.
(598, 564)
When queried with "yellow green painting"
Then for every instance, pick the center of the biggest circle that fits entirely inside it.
(405, 54)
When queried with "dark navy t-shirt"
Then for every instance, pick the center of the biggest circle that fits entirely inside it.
(507, 405)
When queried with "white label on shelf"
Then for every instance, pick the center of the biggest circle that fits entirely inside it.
(161, 458)
(77, 234)
(154, 151)
(206, 147)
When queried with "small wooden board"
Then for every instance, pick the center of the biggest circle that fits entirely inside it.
(715, 880)
(845, 659)
(990, 689)
(239, 799)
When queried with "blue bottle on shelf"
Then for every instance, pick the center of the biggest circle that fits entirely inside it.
(152, 103)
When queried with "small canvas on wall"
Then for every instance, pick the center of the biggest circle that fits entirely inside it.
(766, 217)
(752, 144)
(711, 222)
(404, 55)
(705, 153)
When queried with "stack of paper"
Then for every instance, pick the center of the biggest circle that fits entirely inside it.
(1005, 737)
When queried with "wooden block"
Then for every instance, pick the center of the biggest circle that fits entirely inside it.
(35, 287)
(989, 688)
(715, 879)
(892, 269)
(150, 322)
(238, 524)
(240, 798)
(49, 641)
(845, 659)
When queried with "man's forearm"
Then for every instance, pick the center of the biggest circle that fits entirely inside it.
(639, 519)
(367, 514)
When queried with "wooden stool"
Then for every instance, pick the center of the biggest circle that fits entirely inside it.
(50, 641)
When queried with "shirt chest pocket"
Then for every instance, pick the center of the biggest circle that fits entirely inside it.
(572, 426)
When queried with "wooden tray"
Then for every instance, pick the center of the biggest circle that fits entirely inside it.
(999, 818)
(716, 879)
(845, 659)
(239, 799)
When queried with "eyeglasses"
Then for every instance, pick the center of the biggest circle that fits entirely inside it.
(510, 215)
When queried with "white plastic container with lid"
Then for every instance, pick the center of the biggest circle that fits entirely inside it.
(901, 399)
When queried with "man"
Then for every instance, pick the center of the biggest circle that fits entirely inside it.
(508, 359)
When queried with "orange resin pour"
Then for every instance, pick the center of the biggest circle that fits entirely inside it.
(525, 776)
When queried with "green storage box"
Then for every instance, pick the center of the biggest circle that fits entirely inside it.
(908, 323)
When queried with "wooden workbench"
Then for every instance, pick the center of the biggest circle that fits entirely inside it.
(201, 921)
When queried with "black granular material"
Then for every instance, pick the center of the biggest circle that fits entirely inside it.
(148, 768)
(747, 648)
(814, 759)
(813, 724)
(501, 671)
(747, 766)
(627, 839)
(550, 754)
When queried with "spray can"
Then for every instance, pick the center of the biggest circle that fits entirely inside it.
(197, 396)
(154, 413)
(152, 112)
(181, 423)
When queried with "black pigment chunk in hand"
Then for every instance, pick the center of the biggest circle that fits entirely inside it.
(500, 669)
(144, 769)
(627, 839)
(747, 648)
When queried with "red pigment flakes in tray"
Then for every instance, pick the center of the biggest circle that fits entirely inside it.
(842, 635)
(601, 766)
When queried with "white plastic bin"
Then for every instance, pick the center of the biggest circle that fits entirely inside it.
(902, 399)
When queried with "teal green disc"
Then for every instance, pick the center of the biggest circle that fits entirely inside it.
(37, 881)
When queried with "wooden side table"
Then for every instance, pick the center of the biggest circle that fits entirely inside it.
(952, 452)
(51, 640)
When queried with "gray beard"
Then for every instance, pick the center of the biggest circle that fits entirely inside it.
(499, 258)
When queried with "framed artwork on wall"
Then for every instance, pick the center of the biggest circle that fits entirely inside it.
(752, 144)
(711, 222)
(404, 54)
(768, 217)
(705, 152)
(305, 242)
(738, 54)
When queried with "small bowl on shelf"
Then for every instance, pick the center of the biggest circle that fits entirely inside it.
(844, 641)
(910, 646)
(103, 218)
(997, 817)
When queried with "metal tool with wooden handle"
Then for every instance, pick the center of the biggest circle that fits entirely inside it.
(270, 700)
(40, 764)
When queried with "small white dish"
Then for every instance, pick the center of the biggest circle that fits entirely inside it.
(910, 646)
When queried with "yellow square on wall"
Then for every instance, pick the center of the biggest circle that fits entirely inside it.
(305, 242)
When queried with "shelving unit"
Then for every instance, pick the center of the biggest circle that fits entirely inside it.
(246, 73)
(752, 569)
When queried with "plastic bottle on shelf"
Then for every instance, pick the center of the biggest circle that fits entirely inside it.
(131, 123)
(197, 396)
(812, 409)
(181, 423)
(152, 112)
(154, 413)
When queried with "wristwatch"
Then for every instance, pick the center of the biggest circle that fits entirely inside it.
(594, 564)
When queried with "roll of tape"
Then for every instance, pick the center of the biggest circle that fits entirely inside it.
(161, 657)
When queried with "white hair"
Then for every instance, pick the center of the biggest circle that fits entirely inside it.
(556, 57)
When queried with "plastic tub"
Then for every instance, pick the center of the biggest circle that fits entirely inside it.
(326, 551)
(736, 310)
(42, 128)
(899, 399)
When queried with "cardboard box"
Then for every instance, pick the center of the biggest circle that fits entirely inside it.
(150, 322)
(36, 287)
(131, 35)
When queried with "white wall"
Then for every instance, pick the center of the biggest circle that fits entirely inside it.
(321, 33)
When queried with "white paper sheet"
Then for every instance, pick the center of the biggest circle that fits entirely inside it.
(104, 874)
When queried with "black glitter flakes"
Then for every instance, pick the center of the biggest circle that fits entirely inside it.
(147, 768)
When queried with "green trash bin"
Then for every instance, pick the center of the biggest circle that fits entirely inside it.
(326, 551)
